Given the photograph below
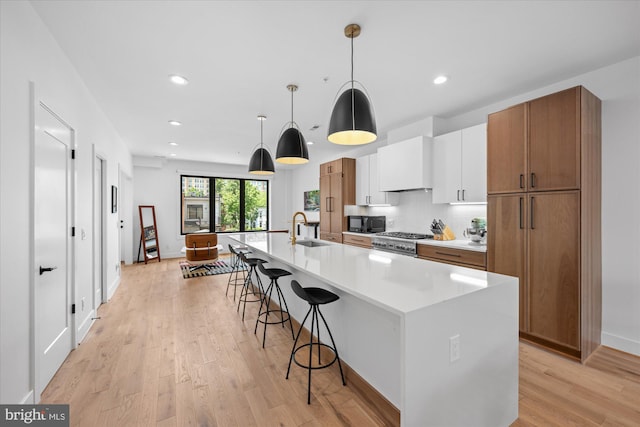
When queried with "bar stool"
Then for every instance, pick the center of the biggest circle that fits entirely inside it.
(315, 297)
(249, 288)
(236, 267)
(274, 274)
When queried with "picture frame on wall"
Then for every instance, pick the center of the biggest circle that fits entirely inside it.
(114, 199)
(312, 201)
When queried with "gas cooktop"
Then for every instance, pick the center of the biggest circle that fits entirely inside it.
(403, 235)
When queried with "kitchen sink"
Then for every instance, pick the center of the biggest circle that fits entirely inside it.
(311, 243)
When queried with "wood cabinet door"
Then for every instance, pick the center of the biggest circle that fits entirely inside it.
(506, 150)
(554, 141)
(554, 267)
(506, 242)
(325, 203)
(336, 208)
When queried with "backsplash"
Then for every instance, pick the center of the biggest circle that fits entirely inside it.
(415, 211)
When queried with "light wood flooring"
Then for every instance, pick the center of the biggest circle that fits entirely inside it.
(174, 352)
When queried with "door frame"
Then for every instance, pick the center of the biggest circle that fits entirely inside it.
(98, 156)
(35, 102)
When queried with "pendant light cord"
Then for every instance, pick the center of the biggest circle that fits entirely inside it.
(291, 107)
(353, 114)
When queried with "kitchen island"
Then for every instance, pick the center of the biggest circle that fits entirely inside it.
(439, 342)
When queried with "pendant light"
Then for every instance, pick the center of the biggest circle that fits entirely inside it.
(261, 162)
(352, 120)
(292, 148)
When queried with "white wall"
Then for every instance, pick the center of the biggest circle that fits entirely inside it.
(29, 53)
(157, 183)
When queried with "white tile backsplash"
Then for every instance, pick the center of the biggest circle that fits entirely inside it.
(415, 211)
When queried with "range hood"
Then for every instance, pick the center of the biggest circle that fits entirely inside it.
(406, 165)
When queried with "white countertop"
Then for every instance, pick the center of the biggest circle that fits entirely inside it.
(456, 244)
(398, 283)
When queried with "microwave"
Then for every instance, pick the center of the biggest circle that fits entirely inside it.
(366, 224)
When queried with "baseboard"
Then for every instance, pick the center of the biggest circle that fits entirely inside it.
(28, 399)
(84, 327)
(112, 289)
(621, 343)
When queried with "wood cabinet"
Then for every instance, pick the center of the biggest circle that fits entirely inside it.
(337, 189)
(361, 241)
(461, 257)
(535, 146)
(367, 184)
(544, 220)
(460, 166)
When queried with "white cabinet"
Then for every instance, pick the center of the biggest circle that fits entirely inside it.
(367, 183)
(460, 166)
(405, 165)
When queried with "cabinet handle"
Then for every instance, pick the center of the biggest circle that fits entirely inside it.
(458, 196)
(521, 180)
(463, 195)
(531, 213)
(447, 254)
(521, 212)
(533, 180)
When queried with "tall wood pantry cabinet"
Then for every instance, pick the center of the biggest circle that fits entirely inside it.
(337, 189)
(543, 214)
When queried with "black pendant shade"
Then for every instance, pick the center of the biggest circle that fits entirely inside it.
(261, 163)
(292, 148)
(352, 120)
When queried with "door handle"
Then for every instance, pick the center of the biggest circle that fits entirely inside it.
(458, 196)
(531, 214)
(533, 180)
(521, 181)
(46, 269)
(521, 212)
(463, 195)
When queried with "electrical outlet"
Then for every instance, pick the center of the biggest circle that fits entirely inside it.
(454, 348)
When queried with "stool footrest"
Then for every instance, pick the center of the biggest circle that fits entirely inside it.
(314, 356)
(283, 319)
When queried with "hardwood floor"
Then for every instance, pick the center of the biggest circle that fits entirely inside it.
(174, 352)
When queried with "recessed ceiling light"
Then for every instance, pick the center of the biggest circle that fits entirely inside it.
(179, 80)
(175, 144)
(172, 154)
(439, 80)
(309, 142)
(175, 123)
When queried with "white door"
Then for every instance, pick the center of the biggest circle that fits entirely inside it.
(98, 226)
(52, 245)
(474, 163)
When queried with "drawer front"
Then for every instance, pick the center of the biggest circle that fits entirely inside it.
(332, 237)
(453, 256)
(362, 241)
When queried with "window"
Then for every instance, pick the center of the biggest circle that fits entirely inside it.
(236, 204)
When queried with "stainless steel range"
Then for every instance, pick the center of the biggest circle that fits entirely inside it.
(398, 242)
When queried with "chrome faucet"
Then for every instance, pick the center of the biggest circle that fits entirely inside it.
(293, 225)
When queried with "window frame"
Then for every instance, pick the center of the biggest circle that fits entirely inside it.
(212, 203)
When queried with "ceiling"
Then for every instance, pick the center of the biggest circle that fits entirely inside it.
(239, 56)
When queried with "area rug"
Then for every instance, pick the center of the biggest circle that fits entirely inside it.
(216, 267)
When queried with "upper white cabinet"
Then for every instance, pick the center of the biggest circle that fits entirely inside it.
(368, 183)
(460, 166)
(405, 165)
